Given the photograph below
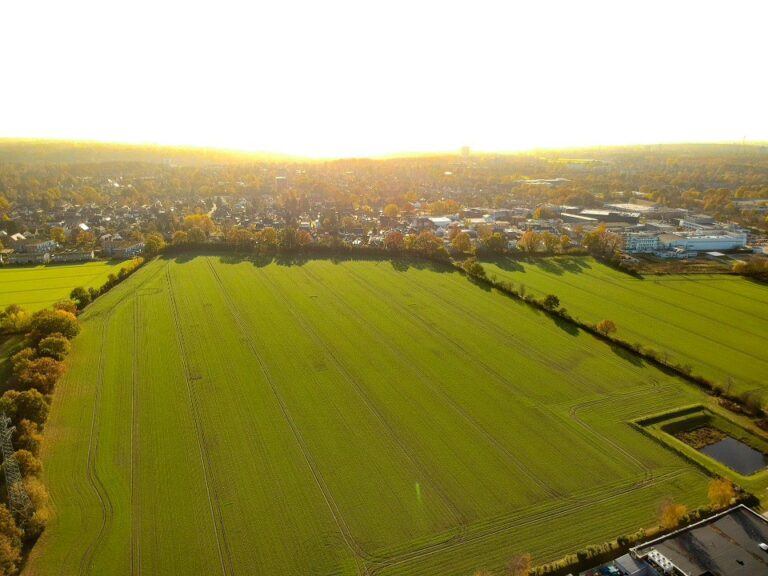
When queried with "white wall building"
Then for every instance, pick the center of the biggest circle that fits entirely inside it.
(703, 243)
(639, 243)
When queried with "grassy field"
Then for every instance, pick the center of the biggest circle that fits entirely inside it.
(36, 287)
(714, 323)
(231, 417)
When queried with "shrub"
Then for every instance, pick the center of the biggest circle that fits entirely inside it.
(10, 542)
(28, 405)
(55, 346)
(66, 305)
(41, 374)
(81, 297)
(606, 327)
(28, 436)
(47, 322)
(14, 320)
(29, 465)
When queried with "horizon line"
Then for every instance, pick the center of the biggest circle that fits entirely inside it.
(201, 148)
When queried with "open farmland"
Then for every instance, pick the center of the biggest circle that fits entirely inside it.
(236, 417)
(714, 323)
(36, 287)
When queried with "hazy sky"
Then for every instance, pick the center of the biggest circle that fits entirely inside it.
(327, 78)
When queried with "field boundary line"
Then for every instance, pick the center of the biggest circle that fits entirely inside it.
(213, 500)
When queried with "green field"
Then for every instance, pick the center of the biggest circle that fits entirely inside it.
(235, 417)
(36, 287)
(717, 324)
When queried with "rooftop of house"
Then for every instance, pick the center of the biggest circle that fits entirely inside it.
(727, 544)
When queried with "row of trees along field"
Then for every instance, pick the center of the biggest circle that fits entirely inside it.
(34, 371)
(31, 380)
(198, 228)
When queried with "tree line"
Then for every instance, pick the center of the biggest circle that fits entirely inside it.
(46, 337)
(35, 369)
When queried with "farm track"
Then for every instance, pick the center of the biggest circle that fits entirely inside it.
(456, 407)
(225, 556)
(359, 389)
(105, 502)
(472, 360)
(341, 524)
(135, 447)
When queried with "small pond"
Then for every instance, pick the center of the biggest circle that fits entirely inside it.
(736, 455)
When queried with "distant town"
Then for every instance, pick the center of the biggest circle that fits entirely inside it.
(80, 213)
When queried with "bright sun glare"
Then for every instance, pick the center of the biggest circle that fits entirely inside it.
(339, 78)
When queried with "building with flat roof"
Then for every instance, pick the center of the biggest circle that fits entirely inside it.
(641, 243)
(727, 544)
(703, 243)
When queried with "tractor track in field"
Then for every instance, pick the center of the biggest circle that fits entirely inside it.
(438, 333)
(390, 431)
(105, 502)
(631, 395)
(642, 312)
(574, 410)
(678, 290)
(523, 521)
(450, 402)
(214, 503)
(667, 284)
(519, 343)
(341, 524)
(135, 448)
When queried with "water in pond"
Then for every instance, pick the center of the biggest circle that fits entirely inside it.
(736, 455)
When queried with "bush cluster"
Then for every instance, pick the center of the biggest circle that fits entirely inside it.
(35, 369)
(82, 296)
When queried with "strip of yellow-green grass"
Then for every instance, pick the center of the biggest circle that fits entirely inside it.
(714, 323)
(36, 287)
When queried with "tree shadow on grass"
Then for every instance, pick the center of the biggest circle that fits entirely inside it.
(566, 326)
(182, 258)
(549, 266)
(297, 259)
(625, 354)
(479, 283)
(505, 263)
(574, 265)
(232, 259)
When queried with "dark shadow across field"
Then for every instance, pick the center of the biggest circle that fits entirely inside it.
(625, 354)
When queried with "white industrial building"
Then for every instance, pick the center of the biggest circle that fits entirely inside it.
(703, 243)
(640, 243)
(644, 242)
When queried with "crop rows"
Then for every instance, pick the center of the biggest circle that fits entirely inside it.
(715, 324)
(348, 418)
